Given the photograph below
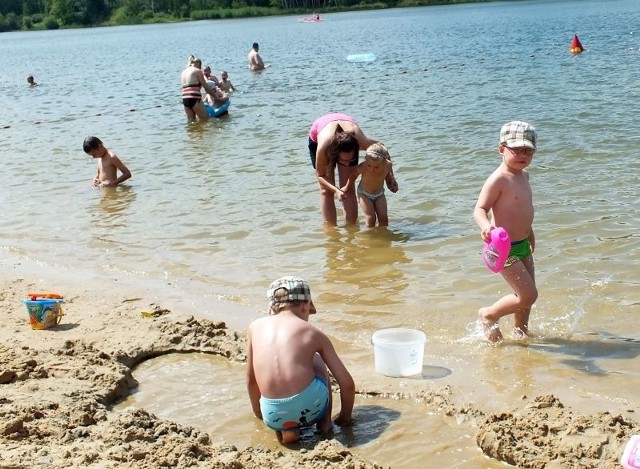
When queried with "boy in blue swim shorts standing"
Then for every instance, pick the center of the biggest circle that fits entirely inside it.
(287, 360)
(506, 196)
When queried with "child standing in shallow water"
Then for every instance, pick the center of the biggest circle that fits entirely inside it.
(225, 84)
(507, 195)
(108, 164)
(374, 170)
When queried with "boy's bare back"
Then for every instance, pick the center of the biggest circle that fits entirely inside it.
(284, 346)
(286, 354)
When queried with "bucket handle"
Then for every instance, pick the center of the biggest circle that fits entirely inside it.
(57, 300)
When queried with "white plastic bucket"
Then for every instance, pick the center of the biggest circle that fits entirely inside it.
(398, 352)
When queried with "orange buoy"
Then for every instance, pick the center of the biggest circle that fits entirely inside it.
(576, 45)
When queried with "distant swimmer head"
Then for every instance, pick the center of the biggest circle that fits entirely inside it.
(31, 80)
(518, 134)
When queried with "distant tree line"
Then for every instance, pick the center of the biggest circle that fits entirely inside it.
(54, 14)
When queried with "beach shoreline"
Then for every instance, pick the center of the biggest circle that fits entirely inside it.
(59, 386)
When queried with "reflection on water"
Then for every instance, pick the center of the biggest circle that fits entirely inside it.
(364, 267)
(110, 223)
(215, 393)
(115, 200)
(372, 421)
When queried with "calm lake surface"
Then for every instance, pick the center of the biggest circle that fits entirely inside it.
(215, 212)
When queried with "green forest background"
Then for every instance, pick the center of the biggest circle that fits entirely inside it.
(54, 14)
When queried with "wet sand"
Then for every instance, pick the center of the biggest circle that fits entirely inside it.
(58, 387)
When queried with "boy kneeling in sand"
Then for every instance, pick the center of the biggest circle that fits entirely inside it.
(287, 360)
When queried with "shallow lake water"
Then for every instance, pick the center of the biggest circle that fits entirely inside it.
(215, 212)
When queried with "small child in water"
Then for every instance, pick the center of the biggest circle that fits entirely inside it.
(374, 170)
(218, 98)
(287, 360)
(225, 84)
(108, 164)
(506, 195)
(31, 81)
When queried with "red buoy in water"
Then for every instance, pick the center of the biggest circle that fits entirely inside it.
(576, 45)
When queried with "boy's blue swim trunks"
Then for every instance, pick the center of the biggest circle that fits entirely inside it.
(302, 410)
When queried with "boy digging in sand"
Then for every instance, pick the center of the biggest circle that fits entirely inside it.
(507, 195)
(287, 359)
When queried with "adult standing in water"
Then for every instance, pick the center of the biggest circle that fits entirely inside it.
(192, 81)
(335, 140)
(255, 61)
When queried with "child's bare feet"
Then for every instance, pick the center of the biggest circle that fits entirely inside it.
(491, 329)
(288, 436)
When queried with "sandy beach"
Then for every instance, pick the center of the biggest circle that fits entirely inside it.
(58, 386)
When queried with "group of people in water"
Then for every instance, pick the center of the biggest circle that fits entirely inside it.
(193, 79)
(335, 141)
(297, 393)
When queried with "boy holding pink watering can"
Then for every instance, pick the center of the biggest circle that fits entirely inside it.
(506, 194)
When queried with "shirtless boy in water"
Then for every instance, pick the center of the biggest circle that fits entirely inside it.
(287, 360)
(108, 164)
(225, 84)
(507, 195)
